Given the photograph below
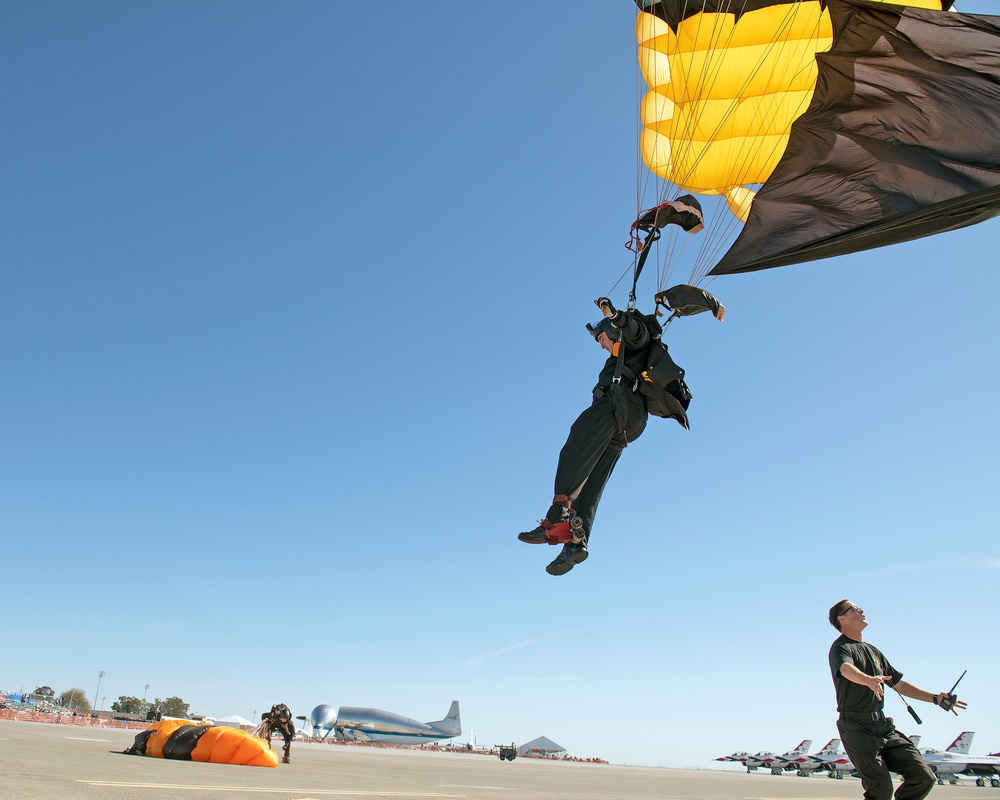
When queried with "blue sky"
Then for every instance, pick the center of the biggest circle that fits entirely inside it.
(292, 333)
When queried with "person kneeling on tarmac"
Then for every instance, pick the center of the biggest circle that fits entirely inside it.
(279, 720)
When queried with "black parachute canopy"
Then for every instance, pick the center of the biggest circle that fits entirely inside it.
(901, 141)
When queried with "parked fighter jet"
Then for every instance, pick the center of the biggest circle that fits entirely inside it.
(779, 764)
(751, 762)
(758, 760)
(807, 763)
(740, 756)
(955, 761)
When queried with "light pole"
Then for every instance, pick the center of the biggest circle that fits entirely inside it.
(98, 692)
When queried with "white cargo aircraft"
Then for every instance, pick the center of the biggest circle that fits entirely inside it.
(373, 725)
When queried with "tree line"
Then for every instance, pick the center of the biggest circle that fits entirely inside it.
(76, 699)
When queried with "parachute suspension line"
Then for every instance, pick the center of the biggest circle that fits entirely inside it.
(620, 279)
(723, 232)
(803, 55)
(686, 134)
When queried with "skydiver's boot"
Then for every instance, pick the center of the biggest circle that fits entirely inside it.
(571, 555)
(570, 530)
(559, 526)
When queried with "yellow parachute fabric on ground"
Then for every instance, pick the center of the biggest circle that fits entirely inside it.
(219, 745)
(724, 93)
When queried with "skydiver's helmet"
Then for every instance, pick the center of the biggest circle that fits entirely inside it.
(605, 326)
(281, 711)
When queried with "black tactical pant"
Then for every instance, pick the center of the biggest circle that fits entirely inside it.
(594, 445)
(876, 748)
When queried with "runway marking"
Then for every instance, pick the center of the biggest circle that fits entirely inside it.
(467, 786)
(85, 739)
(303, 793)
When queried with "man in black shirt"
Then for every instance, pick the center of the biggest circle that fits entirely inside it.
(860, 674)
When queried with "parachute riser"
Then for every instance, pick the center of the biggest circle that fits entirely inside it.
(640, 262)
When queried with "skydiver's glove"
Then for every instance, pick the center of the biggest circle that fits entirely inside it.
(618, 318)
(945, 701)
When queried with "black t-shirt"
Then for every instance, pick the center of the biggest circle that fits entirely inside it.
(853, 697)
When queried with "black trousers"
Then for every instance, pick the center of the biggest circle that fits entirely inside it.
(876, 748)
(594, 445)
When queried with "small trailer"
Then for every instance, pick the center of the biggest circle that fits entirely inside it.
(506, 751)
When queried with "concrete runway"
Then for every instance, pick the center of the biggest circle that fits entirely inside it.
(50, 762)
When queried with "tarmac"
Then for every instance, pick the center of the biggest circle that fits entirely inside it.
(45, 761)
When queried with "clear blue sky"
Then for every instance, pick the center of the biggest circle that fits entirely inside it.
(291, 333)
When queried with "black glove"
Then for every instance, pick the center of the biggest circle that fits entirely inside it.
(606, 306)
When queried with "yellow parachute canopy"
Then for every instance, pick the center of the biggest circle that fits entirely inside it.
(725, 89)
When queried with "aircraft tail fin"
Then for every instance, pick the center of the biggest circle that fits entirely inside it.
(915, 739)
(962, 743)
(452, 723)
(832, 747)
(804, 746)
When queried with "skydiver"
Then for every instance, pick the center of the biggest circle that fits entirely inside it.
(616, 417)
(860, 675)
(279, 720)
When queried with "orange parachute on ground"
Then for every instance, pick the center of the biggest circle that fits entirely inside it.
(187, 741)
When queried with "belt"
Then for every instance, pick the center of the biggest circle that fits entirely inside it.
(863, 716)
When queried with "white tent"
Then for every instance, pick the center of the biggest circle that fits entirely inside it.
(234, 721)
(542, 745)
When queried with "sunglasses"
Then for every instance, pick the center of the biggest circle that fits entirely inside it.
(855, 609)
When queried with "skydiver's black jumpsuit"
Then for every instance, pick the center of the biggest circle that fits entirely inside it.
(275, 724)
(616, 417)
